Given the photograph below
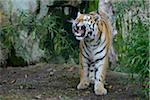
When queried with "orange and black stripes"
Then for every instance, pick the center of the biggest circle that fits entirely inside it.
(94, 45)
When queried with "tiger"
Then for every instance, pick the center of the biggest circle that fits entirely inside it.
(94, 32)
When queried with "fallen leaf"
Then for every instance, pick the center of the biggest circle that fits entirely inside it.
(38, 96)
(120, 90)
(13, 81)
(4, 81)
(21, 87)
(26, 76)
(51, 73)
(110, 87)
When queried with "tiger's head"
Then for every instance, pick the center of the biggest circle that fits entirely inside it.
(85, 26)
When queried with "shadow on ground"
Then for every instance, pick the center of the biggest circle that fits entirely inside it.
(58, 82)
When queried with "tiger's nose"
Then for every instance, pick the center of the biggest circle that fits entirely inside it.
(83, 27)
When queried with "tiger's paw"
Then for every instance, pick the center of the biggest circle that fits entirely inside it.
(83, 85)
(100, 90)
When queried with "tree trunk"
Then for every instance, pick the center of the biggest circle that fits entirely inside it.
(106, 7)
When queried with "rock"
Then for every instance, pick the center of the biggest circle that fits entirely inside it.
(43, 7)
(14, 6)
(28, 48)
(57, 60)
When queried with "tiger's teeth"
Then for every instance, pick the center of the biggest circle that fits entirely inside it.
(79, 38)
(77, 34)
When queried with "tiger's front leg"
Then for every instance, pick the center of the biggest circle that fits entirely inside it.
(84, 81)
(100, 73)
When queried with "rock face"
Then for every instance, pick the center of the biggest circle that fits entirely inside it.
(28, 48)
(25, 44)
(106, 6)
(13, 7)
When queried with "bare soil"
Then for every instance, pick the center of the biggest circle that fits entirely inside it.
(58, 82)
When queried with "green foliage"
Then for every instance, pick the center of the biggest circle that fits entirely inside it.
(137, 46)
(133, 46)
(17, 36)
(138, 52)
(8, 34)
(54, 39)
(134, 53)
(93, 5)
(47, 32)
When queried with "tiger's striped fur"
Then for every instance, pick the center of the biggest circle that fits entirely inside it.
(94, 32)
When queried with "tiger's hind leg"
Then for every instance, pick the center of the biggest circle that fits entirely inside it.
(84, 81)
(100, 78)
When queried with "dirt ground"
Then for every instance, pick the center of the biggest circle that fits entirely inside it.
(58, 82)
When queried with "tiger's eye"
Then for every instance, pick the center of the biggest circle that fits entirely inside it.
(77, 27)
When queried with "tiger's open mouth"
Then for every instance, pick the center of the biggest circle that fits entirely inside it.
(80, 32)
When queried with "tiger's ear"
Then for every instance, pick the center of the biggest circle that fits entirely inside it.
(78, 14)
(97, 17)
(71, 21)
